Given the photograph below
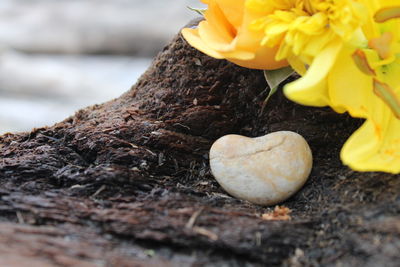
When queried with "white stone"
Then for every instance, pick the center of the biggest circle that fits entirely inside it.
(265, 170)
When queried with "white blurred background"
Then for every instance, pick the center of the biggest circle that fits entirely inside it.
(57, 56)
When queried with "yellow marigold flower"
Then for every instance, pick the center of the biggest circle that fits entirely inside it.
(303, 29)
(363, 79)
(225, 34)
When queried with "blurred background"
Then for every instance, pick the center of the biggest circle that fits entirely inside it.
(57, 56)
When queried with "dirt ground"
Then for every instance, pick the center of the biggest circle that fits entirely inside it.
(127, 182)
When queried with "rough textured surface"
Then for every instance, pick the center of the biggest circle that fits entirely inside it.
(127, 183)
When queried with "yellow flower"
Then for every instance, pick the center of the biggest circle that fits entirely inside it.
(225, 34)
(306, 29)
(364, 80)
(347, 51)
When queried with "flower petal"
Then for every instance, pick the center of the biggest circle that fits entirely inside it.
(263, 60)
(374, 146)
(349, 88)
(192, 37)
(233, 11)
(311, 89)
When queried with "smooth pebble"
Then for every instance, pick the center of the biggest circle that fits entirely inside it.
(264, 170)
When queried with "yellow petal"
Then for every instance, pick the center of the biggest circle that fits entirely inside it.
(311, 89)
(388, 95)
(375, 146)
(297, 65)
(350, 89)
(390, 73)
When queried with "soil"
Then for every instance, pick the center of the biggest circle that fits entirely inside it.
(127, 182)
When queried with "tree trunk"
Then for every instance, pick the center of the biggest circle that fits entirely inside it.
(127, 182)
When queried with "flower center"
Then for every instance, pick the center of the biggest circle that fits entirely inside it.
(303, 28)
(378, 61)
(381, 58)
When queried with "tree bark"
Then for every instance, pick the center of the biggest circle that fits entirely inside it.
(127, 182)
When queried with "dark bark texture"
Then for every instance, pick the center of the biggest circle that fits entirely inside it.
(127, 182)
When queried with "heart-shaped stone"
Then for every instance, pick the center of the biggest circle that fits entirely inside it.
(264, 170)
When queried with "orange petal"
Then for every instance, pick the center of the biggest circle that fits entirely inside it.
(192, 37)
